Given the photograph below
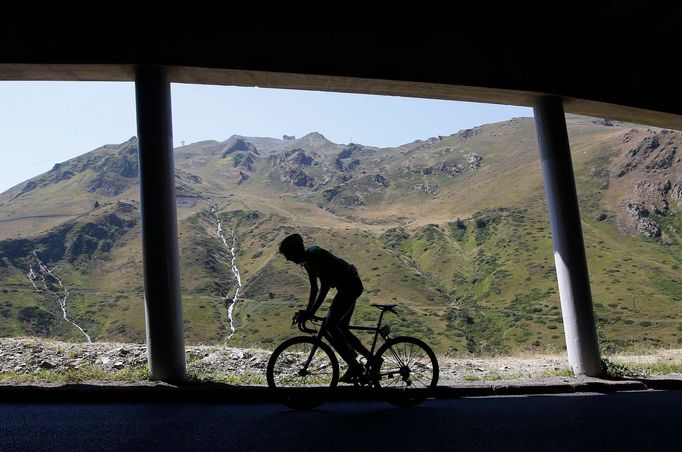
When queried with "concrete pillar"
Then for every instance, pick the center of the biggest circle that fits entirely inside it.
(163, 306)
(567, 237)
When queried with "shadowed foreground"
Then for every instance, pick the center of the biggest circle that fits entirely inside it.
(646, 420)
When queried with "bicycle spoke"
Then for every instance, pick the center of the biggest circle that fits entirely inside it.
(302, 364)
(407, 365)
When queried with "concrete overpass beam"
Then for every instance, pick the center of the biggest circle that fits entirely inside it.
(163, 306)
(569, 249)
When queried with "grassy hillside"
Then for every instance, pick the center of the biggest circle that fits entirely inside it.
(452, 228)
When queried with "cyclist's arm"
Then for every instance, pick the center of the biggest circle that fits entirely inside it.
(312, 276)
(321, 295)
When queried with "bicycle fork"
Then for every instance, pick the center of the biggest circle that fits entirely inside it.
(304, 371)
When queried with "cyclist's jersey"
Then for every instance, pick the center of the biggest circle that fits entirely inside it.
(331, 270)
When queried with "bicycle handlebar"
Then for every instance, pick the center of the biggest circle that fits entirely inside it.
(302, 322)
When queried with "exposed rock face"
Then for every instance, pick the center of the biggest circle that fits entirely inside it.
(106, 185)
(652, 169)
(448, 168)
(184, 175)
(351, 200)
(474, 161)
(427, 187)
(243, 177)
(663, 159)
(124, 164)
(653, 193)
(676, 192)
(292, 157)
(290, 164)
(240, 145)
(378, 180)
(347, 151)
(638, 221)
(355, 195)
(635, 155)
(331, 193)
(604, 122)
(297, 177)
(243, 161)
(649, 154)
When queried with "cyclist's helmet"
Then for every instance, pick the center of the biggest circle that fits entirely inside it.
(292, 245)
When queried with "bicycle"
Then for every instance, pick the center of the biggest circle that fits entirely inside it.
(404, 368)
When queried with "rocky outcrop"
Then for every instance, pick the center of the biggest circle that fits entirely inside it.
(354, 194)
(291, 164)
(427, 187)
(243, 161)
(293, 157)
(474, 161)
(663, 159)
(449, 168)
(243, 177)
(637, 221)
(604, 122)
(186, 176)
(654, 152)
(378, 180)
(107, 185)
(239, 145)
(123, 164)
(348, 151)
(651, 170)
(676, 192)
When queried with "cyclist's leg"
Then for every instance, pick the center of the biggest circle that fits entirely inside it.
(337, 310)
(350, 338)
(340, 313)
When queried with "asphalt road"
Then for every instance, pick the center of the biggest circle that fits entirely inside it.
(642, 421)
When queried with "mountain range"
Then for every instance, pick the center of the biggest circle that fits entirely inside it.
(453, 229)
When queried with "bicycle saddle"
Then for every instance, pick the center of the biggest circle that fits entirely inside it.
(385, 307)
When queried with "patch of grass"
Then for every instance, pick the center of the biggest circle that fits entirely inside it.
(565, 372)
(617, 369)
(82, 374)
(495, 377)
(197, 376)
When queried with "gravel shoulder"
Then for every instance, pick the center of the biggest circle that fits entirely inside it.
(32, 360)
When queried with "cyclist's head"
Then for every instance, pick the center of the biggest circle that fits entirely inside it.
(292, 248)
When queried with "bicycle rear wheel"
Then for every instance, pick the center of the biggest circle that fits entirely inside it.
(407, 369)
(300, 385)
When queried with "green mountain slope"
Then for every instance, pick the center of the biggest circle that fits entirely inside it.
(453, 228)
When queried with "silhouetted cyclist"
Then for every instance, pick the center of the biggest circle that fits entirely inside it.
(332, 272)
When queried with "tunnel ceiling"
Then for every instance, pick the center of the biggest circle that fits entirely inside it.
(618, 60)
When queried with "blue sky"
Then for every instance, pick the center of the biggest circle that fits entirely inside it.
(43, 123)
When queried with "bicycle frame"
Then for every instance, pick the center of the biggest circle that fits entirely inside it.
(378, 330)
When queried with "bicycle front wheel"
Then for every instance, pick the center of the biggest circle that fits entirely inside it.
(407, 369)
(302, 362)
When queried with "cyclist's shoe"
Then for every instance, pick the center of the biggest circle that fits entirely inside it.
(352, 374)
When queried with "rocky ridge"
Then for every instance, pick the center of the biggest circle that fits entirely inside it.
(650, 167)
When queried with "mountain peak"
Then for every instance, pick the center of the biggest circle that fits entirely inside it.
(315, 138)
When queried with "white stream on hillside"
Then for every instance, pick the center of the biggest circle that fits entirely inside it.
(45, 271)
(235, 270)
